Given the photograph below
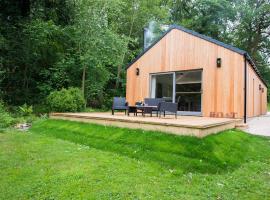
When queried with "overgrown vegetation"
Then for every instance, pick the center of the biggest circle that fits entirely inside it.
(49, 45)
(71, 160)
(25, 114)
(5, 117)
(11, 116)
(25, 110)
(66, 100)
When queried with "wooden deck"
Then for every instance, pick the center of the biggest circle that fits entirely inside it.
(183, 125)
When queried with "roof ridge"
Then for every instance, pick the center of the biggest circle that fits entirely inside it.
(209, 39)
(204, 37)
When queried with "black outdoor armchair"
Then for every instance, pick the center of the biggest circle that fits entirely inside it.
(154, 102)
(168, 108)
(119, 103)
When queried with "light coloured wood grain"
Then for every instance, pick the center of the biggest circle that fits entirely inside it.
(189, 125)
(223, 88)
(257, 99)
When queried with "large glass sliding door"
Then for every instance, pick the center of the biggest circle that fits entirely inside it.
(162, 86)
(188, 92)
(183, 88)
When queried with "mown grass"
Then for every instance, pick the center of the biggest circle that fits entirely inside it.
(60, 159)
(186, 153)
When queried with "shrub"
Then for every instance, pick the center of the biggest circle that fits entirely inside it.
(5, 119)
(25, 110)
(66, 100)
(40, 109)
(25, 114)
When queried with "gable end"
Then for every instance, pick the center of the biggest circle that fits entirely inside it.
(209, 39)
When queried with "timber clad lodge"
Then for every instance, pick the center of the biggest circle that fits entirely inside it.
(203, 76)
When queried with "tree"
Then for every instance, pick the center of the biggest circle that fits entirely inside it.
(129, 19)
(97, 46)
(47, 45)
(252, 33)
(209, 17)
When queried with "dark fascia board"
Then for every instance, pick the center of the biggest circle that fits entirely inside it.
(148, 48)
(209, 39)
(251, 62)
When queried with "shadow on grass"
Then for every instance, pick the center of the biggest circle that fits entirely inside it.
(213, 154)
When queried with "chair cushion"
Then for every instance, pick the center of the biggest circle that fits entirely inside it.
(119, 107)
(169, 107)
(153, 101)
(119, 102)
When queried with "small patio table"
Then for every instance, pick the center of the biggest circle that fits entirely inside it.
(146, 109)
(132, 109)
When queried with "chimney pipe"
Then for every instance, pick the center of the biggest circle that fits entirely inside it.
(144, 38)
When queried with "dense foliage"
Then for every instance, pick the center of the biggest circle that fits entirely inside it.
(10, 116)
(54, 44)
(5, 119)
(66, 100)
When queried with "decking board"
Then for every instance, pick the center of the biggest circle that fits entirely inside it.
(183, 125)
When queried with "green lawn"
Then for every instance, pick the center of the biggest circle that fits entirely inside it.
(70, 160)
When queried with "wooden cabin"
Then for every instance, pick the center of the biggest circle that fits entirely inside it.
(204, 76)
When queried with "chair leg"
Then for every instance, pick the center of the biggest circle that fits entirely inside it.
(112, 111)
(164, 114)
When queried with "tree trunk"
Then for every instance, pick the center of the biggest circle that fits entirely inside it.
(83, 84)
(119, 69)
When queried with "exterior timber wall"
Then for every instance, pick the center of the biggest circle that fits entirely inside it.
(256, 99)
(222, 88)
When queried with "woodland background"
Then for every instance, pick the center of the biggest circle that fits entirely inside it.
(47, 45)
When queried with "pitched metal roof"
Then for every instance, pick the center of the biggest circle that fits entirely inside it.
(204, 37)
